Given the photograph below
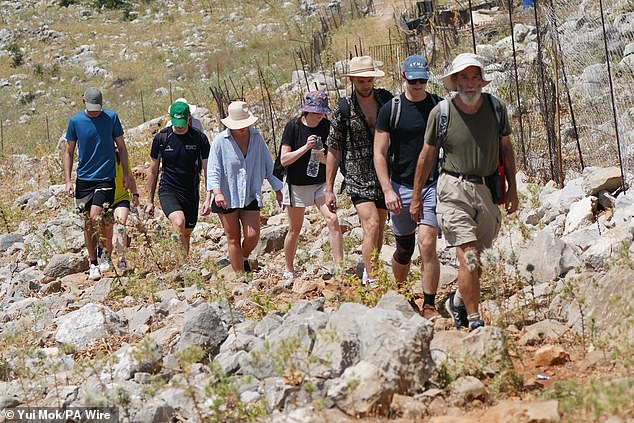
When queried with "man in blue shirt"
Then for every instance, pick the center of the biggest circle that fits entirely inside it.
(94, 131)
(184, 151)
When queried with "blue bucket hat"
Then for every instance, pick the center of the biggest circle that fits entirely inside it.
(416, 67)
(316, 102)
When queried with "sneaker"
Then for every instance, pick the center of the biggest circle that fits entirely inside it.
(372, 283)
(122, 264)
(429, 312)
(94, 273)
(288, 275)
(475, 324)
(458, 314)
(104, 264)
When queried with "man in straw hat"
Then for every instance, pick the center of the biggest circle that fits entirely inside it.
(93, 130)
(476, 137)
(402, 139)
(350, 143)
(184, 151)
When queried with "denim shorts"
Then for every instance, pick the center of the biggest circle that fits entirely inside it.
(402, 223)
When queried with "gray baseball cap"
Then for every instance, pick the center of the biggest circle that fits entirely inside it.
(93, 99)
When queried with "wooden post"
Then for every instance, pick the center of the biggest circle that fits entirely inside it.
(143, 107)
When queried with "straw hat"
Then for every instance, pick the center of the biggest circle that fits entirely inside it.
(365, 67)
(460, 63)
(238, 116)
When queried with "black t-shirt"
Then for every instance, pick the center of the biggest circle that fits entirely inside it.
(406, 140)
(180, 160)
(295, 136)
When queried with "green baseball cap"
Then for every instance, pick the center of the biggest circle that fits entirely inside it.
(179, 112)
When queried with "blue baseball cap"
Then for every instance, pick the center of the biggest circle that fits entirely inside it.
(416, 67)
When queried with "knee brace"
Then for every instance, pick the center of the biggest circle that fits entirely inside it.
(404, 248)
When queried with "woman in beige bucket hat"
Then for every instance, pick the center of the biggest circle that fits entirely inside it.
(239, 161)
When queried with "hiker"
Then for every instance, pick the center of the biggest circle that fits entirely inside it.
(184, 151)
(239, 162)
(301, 190)
(474, 134)
(350, 143)
(195, 122)
(93, 131)
(121, 211)
(400, 129)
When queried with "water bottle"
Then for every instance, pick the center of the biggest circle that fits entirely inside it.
(313, 163)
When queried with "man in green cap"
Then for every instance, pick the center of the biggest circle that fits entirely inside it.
(184, 151)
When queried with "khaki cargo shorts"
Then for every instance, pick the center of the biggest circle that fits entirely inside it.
(466, 212)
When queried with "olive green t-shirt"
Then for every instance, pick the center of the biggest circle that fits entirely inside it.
(472, 144)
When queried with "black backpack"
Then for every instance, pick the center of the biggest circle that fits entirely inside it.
(164, 134)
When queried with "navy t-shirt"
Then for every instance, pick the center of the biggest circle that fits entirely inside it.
(95, 144)
(406, 140)
(180, 156)
(295, 135)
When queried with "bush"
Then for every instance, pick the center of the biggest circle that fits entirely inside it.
(66, 3)
(17, 57)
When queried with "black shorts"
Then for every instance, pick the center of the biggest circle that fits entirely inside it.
(357, 199)
(123, 203)
(253, 206)
(94, 193)
(173, 201)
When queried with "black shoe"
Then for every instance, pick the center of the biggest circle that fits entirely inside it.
(247, 266)
(457, 313)
(474, 324)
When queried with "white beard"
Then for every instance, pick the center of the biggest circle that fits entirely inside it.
(470, 99)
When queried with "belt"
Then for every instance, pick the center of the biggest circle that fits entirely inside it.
(470, 178)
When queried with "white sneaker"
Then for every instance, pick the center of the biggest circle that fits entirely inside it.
(94, 273)
(288, 275)
(104, 264)
(372, 283)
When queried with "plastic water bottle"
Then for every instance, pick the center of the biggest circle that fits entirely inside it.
(313, 164)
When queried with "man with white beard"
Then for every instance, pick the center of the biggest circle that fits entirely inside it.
(473, 135)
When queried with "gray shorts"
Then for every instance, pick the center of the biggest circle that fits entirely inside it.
(402, 223)
(302, 195)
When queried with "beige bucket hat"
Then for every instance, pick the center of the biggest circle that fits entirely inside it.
(460, 63)
(238, 116)
(365, 67)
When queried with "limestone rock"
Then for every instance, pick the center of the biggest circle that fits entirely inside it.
(203, 326)
(61, 265)
(361, 390)
(90, 323)
(596, 179)
(549, 355)
(540, 331)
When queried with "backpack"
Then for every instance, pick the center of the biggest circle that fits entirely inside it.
(279, 171)
(164, 134)
(441, 133)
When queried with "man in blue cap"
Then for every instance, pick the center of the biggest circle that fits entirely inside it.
(398, 140)
(93, 131)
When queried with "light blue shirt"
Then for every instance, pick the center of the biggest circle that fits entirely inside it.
(240, 178)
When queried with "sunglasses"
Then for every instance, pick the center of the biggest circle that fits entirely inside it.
(416, 81)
